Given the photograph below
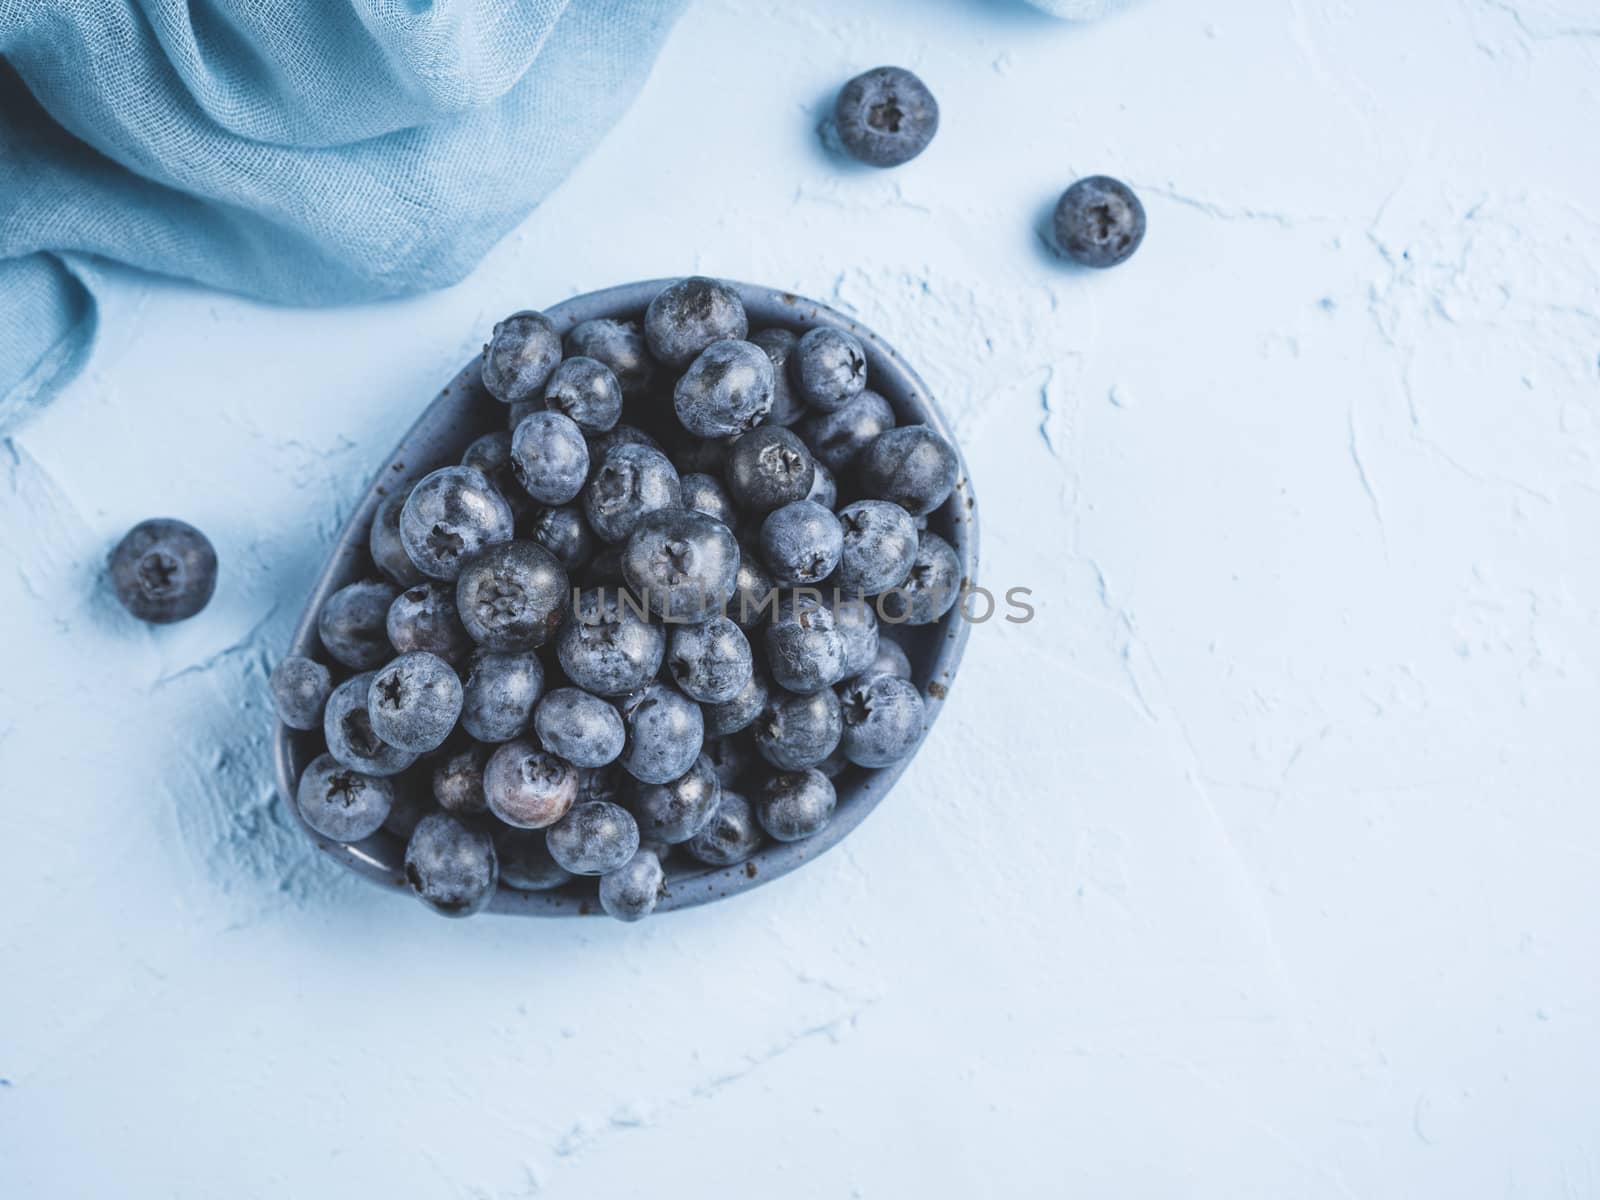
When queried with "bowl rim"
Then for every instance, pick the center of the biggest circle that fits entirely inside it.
(462, 411)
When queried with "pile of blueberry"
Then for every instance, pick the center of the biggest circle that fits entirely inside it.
(596, 642)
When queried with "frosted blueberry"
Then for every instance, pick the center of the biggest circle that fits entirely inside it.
(341, 804)
(665, 733)
(682, 564)
(424, 617)
(837, 438)
(828, 368)
(880, 544)
(458, 780)
(594, 838)
(520, 355)
(300, 688)
(498, 693)
(687, 316)
(618, 435)
(491, 454)
(620, 345)
(710, 662)
(726, 390)
(730, 837)
(563, 532)
(787, 407)
(796, 804)
(630, 892)
(883, 717)
(347, 730)
(730, 716)
(801, 542)
(383, 541)
(675, 811)
(452, 514)
(512, 596)
(632, 480)
(857, 624)
(587, 391)
(885, 117)
(549, 457)
(163, 571)
(1098, 222)
(581, 728)
(912, 466)
(931, 587)
(796, 732)
(450, 866)
(730, 758)
(352, 624)
(525, 861)
(606, 646)
(755, 595)
(703, 493)
(768, 468)
(805, 650)
(414, 702)
(890, 660)
(528, 787)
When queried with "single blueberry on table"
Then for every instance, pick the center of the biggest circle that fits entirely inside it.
(525, 862)
(687, 316)
(632, 480)
(424, 617)
(491, 454)
(675, 811)
(458, 780)
(388, 552)
(352, 624)
(522, 352)
(829, 368)
(665, 733)
(341, 804)
(755, 594)
(703, 493)
(824, 488)
(795, 732)
(857, 624)
(498, 692)
(885, 117)
(891, 659)
(682, 564)
(883, 720)
(1098, 222)
(711, 662)
(796, 804)
(512, 596)
(880, 544)
(787, 407)
(801, 542)
(731, 716)
(606, 646)
(805, 649)
(414, 702)
(630, 892)
(347, 730)
(550, 457)
(163, 571)
(450, 866)
(620, 345)
(768, 468)
(930, 588)
(838, 438)
(582, 728)
(300, 689)
(585, 390)
(730, 837)
(912, 466)
(529, 787)
(594, 838)
(726, 390)
(563, 531)
(452, 514)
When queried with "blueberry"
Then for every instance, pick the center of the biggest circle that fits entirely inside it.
(857, 624)
(351, 624)
(882, 720)
(458, 781)
(586, 391)
(512, 596)
(768, 468)
(787, 407)
(755, 595)
(341, 804)
(564, 532)
(1099, 222)
(885, 117)
(451, 515)
(711, 662)
(796, 732)
(520, 411)
(912, 466)
(300, 690)
(829, 368)
(890, 660)
(521, 354)
(528, 787)
(726, 390)
(834, 765)
(498, 693)
(163, 571)
(682, 564)
(805, 650)
(675, 811)
(593, 838)
(730, 758)
(425, 618)
(620, 345)
(630, 892)
(704, 494)
(583, 729)
(549, 457)
(733, 715)
(525, 861)
(880, 544)
(796, 804)
(930, 589)
(665, 733)
(691, 314)
(801, 542)
(824, 488)
(606, 646)
(414, 702)
(347, 730)
(388, 552)
(603, 783)
(491, 454)
(837, 438)
(450, 866)
(632, 480)
(618, 435)
(730, 837)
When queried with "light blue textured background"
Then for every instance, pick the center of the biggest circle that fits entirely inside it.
(1262, 864)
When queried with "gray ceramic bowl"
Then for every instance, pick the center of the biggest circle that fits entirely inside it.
(462, 412)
